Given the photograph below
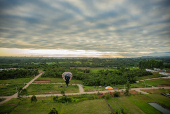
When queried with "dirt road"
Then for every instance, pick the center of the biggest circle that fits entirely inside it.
(81, 91)
(7, 98)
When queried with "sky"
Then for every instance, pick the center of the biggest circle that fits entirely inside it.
(85, 28)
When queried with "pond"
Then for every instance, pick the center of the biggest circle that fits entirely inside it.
(160, 108)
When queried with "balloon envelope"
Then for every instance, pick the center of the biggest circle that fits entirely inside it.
(67, 74)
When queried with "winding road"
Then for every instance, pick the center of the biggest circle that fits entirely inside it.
(81, 91)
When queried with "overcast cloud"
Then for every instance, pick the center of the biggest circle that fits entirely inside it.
(127, 27)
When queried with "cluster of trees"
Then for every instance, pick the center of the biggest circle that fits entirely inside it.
(121, 76)
(44, 62)
(101, 78)
(18, 73)
(151, 64)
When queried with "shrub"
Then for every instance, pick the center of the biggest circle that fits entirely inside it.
(108, 96)
(55, 98)
(53, 111)
(90, 97)
(33, 99)
(98, 93)
(63, 92)
(116, 94)
(103, 96)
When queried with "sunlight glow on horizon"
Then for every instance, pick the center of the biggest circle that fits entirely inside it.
(57, 53)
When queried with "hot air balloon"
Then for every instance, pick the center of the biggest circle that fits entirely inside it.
(67, 76)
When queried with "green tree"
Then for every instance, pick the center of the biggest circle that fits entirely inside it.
(53, 111)
(127, 88)
(33, 99)
(63, 92)
(55, 98)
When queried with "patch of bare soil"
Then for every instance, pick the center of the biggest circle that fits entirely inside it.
(132, 92)
(163, 85)
(42, 81)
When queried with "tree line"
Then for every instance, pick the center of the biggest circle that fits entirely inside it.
(18, 73)
(102, 77)
(150, 64)
(44, 62)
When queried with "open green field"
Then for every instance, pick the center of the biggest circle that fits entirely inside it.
(7, 90)
(164, 101)
(95, 70)
(11, 86)
(141, 102)
(16, 81)
(155, 82)
(93, 88)
(97, 106)
(137, 104)
(36, 89)
(60, 80)
(123, 103)
(155, 75)
(150, 83)
(134, 104)
(156, 90)
(43, 106)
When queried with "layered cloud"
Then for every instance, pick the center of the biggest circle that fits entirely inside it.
(126, 27)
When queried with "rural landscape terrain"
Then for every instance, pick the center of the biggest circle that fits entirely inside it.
(29, 85)
(84, 56)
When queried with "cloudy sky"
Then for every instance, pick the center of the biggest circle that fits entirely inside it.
(85, 28)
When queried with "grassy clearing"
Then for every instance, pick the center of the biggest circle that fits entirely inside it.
(7, 90)
(141, 102)
(16, 81)
(140, 85)
(155, 75)
(44, 105)
(150, 83)
(167, 69)
(117, 105)
(11, 86)
(157, 90)
(158, 82)
(132, 105)
(60, 80)
(35, 89)
(95, 70)
(97, 106)
(93, 88)
(164, 101)
(50, 63)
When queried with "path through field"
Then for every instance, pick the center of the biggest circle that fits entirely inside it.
(7, 98)
(81, 90)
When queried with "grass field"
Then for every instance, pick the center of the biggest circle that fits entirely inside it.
(16, 81)
(141, 101)
(134, 104)
(150, 83)
(158, 82)
(164, 101)
(11, 86)
(60, 80)
(155, 75)
(93, 88)
(35, 89)
(95, 70)
(156, 90)
(118, 104)
(7, 90)
(97, 106)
